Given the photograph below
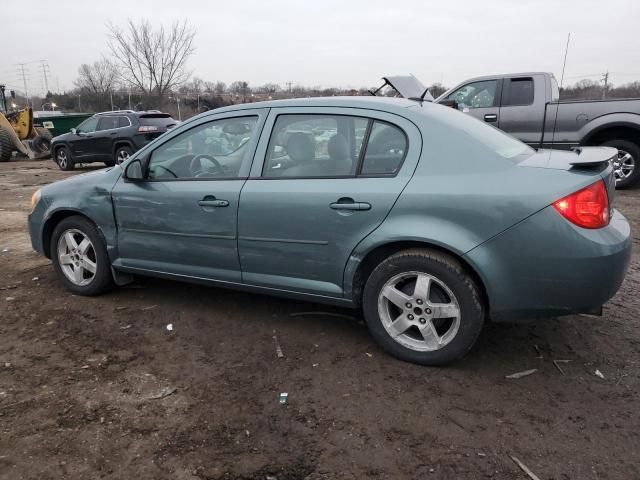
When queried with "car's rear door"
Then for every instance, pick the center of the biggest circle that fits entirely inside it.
(322, 180)
(182, 219)
(522, 108)
(104, 136)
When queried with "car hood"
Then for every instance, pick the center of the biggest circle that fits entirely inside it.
(103, 179)
(62, 138)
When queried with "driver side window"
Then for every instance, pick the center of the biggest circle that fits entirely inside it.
(476, 95)
(88, 126)
(213, 150)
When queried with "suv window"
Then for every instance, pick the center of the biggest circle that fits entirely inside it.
(88, 126)
(217, 149)
(476, 95)
(315, 146)
(123, 122)
(107, 123)
(385, 150)
(519, 92)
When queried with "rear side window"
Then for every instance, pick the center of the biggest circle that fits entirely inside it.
(315, 146)
(518, 92)
(107, 123)
(123, 122)
(157, 120)
(385, 151)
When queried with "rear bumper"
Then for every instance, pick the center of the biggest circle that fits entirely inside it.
(546, 266)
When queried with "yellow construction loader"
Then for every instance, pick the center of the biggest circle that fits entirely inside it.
(19, 134)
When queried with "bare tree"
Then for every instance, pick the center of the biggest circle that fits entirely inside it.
(96, 82)
(153, 60)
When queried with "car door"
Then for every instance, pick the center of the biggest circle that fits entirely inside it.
(518, 115)
(82, 143)
(106, 133)
(322, 181)
(181, 219)
(480, 99)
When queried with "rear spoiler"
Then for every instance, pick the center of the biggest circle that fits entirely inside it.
(593, 156)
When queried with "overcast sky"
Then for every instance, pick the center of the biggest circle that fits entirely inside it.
(338, 42)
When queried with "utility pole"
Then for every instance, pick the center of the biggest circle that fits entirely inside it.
(44, 65)
(605, 87)
(289, 86)
(24, 80)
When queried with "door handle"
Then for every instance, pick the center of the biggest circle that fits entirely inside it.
(347, 203)
(211, 201)
(490, 117)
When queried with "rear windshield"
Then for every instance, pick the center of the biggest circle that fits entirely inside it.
(157, 120)
(488, 136)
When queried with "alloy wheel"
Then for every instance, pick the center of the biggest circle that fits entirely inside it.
(623, 165)
(77, 257)
(122, 156)
(61, 157)
(419, 311)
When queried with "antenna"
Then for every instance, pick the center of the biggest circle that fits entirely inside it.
(564, 64)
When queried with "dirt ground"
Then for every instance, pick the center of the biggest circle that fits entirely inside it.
(80, 377)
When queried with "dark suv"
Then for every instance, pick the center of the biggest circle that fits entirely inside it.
(109, 137)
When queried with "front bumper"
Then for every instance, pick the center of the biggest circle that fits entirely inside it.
(546, 266)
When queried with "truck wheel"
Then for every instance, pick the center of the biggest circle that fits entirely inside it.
(80, 258)
(422, 306)
(6, 146)
(63, 159)
(626, 168)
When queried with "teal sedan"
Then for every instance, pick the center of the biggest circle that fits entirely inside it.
(427, 220)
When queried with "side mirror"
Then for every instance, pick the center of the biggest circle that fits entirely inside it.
(74, 131)
(133, 172)
(450, 103)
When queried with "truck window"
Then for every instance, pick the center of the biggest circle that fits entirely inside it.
(476, 95)
(519, 91)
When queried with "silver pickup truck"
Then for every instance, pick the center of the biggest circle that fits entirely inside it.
(522, 103)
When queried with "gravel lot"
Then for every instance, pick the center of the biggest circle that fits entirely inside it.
(78, 377)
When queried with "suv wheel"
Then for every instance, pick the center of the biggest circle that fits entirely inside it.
(422, 307)
(63, 159)
(80, 257)
(122, 154)
(626, 167)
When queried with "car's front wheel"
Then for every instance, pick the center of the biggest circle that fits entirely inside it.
(80, 257)
(423, 307)
(63, 159)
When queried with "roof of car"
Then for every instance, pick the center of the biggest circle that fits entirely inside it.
(376, 103)
(130, 112)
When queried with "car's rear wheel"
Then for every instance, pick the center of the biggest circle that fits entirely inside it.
(423, 307)
(80, 258)
(63, 159)
(625, 168)
(122, 154)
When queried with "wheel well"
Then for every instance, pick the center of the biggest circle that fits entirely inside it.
(378, 254)
(50, 225)
(614, 133)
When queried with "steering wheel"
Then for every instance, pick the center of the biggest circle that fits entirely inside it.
(198, 171)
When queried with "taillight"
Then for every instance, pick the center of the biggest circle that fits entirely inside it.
(587, 208)
(147, 128)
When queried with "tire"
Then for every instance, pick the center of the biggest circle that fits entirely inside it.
(71, 257)
(42, 143)
(6, 146)
(63, 159)
(110, 163)
(451, 314)
(627, 172)
(122, 154)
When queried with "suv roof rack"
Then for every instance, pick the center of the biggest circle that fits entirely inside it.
(115, 111)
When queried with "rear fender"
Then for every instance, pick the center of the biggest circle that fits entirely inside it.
(605, 122)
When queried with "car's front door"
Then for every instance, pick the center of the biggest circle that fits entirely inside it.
(323, 179)
(182, 218)
(480, 99)
(83, 141)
